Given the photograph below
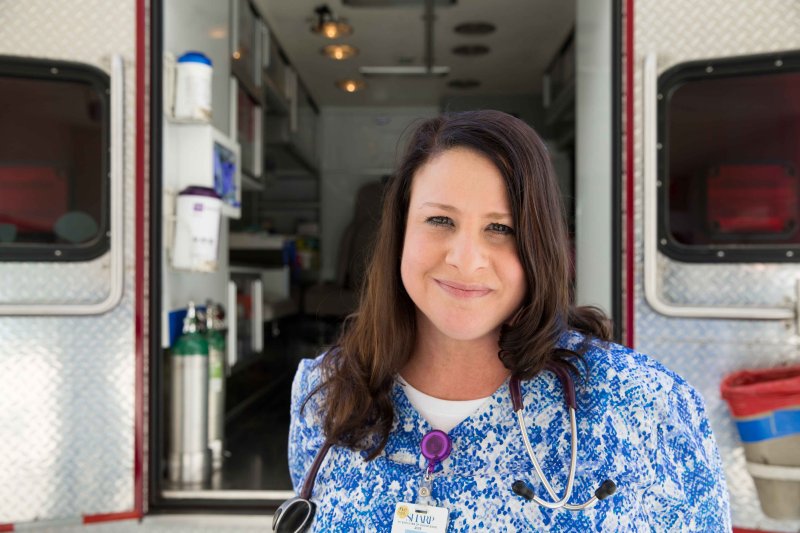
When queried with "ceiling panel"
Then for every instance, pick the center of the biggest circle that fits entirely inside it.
(529, 32)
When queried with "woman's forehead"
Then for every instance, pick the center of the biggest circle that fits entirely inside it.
(460, 177)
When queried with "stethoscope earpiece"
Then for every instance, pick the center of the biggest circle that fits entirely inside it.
(606, 489)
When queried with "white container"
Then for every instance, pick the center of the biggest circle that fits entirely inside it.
(193, 87)
(197, 230)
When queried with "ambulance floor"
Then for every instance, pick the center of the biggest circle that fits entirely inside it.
(256, 440)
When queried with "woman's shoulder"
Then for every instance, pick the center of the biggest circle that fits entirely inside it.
(307, 380)
(305, 428)
(626, 376)
(309, 373)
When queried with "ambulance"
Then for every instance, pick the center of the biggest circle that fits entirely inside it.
(179, 181)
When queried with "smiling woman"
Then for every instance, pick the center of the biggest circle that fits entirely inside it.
(461, 269)
(465, 321)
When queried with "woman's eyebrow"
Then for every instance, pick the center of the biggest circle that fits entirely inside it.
(453, 209)
(444, 207)
(498, 215)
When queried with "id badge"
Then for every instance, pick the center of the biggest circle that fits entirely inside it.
(411, 518)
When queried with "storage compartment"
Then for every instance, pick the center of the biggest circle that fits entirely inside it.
(200, 155)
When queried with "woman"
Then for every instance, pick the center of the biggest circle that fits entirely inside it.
(469, 286)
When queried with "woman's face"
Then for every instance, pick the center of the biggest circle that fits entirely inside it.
(460, 265)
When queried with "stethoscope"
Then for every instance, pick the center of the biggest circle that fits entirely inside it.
(606, 488)
(297, 513)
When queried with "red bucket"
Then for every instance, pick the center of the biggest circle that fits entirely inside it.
(766, 407)
(751, 392)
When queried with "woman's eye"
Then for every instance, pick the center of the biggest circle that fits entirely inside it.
(439, 221)
(500, 228)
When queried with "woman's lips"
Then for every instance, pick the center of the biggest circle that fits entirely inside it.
(459, 290)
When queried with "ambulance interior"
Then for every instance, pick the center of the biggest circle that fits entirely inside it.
(320, 122)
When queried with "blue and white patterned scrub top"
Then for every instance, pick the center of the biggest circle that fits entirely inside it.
(639, 424)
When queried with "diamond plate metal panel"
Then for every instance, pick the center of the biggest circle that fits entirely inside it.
(52, 283)
(67, 384)
(704, 351)
(727, 284)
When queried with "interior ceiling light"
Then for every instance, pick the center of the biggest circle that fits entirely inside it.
(471, 50)
(328, 25)
(339, 52)
(475, 28)
(463, 83)
(218, 32)
(350, 86)
(404, 70)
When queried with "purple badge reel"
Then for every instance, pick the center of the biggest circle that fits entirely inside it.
(436, 447)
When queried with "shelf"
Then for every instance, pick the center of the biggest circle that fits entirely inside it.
(292, 174)
(174, 120)
(376, 171)
(247, 84)
(562, 106)
(250, 183)
(286, 158)
(277, 104)
(277, 205)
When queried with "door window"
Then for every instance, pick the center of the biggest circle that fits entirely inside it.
(730, 156)
(54, 131)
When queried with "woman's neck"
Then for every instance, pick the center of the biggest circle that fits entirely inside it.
(454, 370)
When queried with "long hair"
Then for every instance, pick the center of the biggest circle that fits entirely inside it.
(358, 374)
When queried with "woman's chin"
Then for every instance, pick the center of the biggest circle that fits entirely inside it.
(465, 331)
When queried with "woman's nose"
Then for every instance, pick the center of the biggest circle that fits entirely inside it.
(466, 252)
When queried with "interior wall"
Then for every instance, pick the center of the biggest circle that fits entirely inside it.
(527, 107)
(358, 145)
(203, 26)
(593, 179)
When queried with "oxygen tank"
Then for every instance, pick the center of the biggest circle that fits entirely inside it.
(189, 458)
(216, 383)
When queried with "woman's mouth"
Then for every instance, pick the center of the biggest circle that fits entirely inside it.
(460, 290)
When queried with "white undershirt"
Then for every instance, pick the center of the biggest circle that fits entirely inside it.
(441, 414)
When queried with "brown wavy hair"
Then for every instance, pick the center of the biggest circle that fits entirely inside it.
(358, 374)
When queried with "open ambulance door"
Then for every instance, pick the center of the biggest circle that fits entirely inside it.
(72, 261)
(711, 189)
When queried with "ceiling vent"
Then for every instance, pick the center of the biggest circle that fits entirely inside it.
(463, 84)
(475, 28)
(471, 50)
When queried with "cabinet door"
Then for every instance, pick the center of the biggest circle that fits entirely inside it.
(244, 42)
(248, 132)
